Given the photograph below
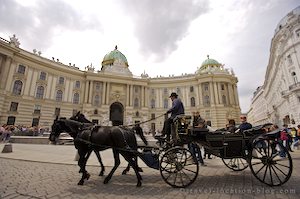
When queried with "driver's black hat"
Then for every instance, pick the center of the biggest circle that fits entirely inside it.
(173, 95)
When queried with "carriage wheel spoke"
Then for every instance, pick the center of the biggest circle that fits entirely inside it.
(283, 165)
(190, 170)
(265, 172)
(280, 170)
(276, 174)
(271, 174)
(260, 169)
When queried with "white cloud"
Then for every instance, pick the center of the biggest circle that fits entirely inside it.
(161, 37)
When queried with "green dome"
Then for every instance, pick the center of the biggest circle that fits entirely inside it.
(210, 62)
(110, 57)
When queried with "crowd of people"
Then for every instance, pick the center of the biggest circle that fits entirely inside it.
(6, 131)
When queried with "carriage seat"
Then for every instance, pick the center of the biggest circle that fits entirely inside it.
(182, 123)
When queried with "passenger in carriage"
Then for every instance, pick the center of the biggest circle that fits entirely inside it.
(176, 109)
(244, 124)
(230, 127)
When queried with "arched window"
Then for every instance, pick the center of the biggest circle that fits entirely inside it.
(17, 87)
(59, 95)
(193, 103)
(136, 103)
(166, 105)
(40, 92)
(152, 104)
(206, 100)
(96, 112)
(224, 101)
(77, 84)
(97, 100)
(76, 98)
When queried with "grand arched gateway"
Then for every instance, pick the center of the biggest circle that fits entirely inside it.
(116, 114)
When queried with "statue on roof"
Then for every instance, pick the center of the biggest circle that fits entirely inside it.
(14, 40)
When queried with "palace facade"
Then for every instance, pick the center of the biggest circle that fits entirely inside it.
(278, 99)
(34, 90)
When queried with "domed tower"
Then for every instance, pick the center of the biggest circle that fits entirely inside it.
(210, 65)
(115, 62)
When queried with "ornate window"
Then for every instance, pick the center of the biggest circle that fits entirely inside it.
(166, 105)
(21, 69)
(136, 103)
(37, 109)
(97, 100)
(59, 95)
(11, 120)
(40, 92)
(222, 87)
(13, 106)
(61, 80)
(97, 86)
(206, 100)
(191, 89)
(17, 87)
(77, 84)
(76, 98)
(224, 101)
(96, 112)
(152, 103)
(43, 76)
(193, 103)
(206, 87)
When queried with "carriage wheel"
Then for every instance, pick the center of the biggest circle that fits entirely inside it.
(178, 167)
(235, 164)
(270, 162)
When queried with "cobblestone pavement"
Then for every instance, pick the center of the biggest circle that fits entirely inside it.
(28, 179)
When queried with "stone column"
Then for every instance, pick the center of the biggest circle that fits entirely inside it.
(107, 92)
(131, 95)
(127, 94)
(5, 74)
(200, 94)
(103, 92)
(217, 97)
(211, 91)
(86, 92)
(91, 92)
(143, 96)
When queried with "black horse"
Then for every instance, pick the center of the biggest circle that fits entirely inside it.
(122, 141)
(79, 117)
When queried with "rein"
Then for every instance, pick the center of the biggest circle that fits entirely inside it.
(143, 121)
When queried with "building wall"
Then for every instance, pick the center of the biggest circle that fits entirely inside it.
(281, 88)
(134, 93)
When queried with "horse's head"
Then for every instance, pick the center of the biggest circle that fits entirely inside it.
(57, 128)
(79, 117)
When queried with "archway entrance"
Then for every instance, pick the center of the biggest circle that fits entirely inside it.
(116, 114)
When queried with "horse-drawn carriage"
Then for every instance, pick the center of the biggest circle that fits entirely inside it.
(269, 161)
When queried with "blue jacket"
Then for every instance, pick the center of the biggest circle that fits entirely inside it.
(177, 108)
(245, 126)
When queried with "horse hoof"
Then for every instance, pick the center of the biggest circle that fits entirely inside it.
(80, 183)
(124, 172)
(139, 184)
(101, 173)
(105, 181)
(140, 169)
(87, 176)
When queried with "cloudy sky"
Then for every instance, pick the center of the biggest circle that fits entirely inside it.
(160, 37)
